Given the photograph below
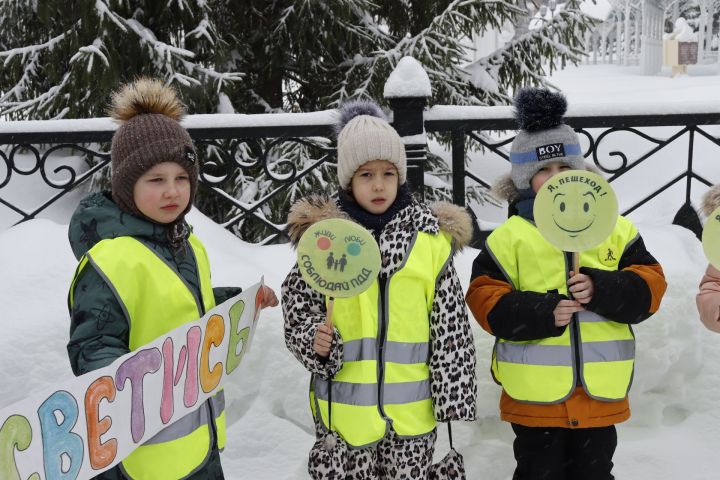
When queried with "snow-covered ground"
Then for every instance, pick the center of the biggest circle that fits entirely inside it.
(675, 422)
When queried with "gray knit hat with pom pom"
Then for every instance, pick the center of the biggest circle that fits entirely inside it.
(149, 113)
(365, 135)
(543, 137)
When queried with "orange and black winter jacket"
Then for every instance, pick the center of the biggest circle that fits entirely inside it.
(629, 295)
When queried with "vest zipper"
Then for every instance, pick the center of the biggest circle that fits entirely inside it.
(213, 428)
(382, 337)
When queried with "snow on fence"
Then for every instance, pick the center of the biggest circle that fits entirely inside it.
(57, 159)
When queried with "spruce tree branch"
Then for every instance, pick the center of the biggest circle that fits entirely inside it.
(31, 49)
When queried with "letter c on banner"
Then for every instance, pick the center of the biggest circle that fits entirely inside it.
(101, 454)
(214, 333)
(16, 432)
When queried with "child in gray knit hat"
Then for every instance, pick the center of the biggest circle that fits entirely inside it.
(142, 273)
(401, 353)
(564, 350)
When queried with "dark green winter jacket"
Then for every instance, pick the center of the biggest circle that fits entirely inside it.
(99, 331)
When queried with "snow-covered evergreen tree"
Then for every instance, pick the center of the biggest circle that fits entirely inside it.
(62, 59)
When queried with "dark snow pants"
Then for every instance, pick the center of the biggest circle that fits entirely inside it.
(564, 453)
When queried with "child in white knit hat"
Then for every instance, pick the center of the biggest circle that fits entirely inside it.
(400, 354)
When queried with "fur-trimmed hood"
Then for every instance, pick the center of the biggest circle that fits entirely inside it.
(444, 216)
(711, 200)
(505, 189)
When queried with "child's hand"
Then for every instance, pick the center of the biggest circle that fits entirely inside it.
(268, 297)
(581, 287)
(323, 340)
(564, 311)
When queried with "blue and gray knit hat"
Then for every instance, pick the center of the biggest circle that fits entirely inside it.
(543, 137)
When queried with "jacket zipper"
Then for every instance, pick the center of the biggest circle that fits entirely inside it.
(382, 334)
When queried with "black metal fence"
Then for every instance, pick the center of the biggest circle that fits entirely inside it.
(230, 144)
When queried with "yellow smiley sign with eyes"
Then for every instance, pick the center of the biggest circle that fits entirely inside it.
(575, 210)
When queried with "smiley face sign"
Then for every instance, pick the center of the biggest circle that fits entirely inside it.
(711, 238)
(575, 210)
(338, 258)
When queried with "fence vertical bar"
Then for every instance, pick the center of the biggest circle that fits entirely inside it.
(458, 166)
(691, 130)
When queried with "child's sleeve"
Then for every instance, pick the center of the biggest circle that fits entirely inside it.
(505, 312)
(223, 294)
(452, 352)
(304, 311)
(633, 292)
(708, 299)
(99, 331)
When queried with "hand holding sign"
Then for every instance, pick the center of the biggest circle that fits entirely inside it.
(576, 210)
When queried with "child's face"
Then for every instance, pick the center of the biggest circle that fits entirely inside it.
(163, 192)
(374, 186)
(545, 173)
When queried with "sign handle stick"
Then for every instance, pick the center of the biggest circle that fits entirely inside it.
(328, 317)
(576, 263)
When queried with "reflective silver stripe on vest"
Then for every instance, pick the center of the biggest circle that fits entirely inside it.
(588, 316)
(561, 356)
(218, 403)
(361, 394)
(612, 351)
(366, 394)
(406, 352)
(396, 352)
(534, 354)
(185, 426)
(406, 392)
(361, 349)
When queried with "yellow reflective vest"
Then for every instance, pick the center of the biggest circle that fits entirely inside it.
(593, 351)
(156, 300)
(384, 381)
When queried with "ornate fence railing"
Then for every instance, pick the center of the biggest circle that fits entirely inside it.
(63, 155)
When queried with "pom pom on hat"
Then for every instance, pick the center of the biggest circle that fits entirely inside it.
(146, 95)
(539, 109)
(364, 135)
(355, 108)
(543, 137)
(150, 133)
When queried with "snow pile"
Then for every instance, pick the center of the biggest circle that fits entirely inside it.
(481, 77)
(599, 9)
(270, 429)
(682, 32)
(409, 79)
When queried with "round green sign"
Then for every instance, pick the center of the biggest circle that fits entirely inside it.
(711, 238)
(575, 210)
(338, 258)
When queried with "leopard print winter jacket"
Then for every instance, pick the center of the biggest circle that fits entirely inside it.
(452, 351)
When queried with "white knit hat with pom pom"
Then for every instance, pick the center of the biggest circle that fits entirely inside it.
(365, 135)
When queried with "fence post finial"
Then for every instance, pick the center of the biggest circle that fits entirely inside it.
(407, 90)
